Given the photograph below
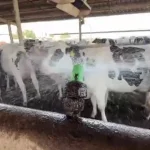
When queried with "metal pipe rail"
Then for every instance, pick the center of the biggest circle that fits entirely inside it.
(121, 31)
(24, 128)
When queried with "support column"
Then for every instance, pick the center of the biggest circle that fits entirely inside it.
(80, 30)
(10, 33)
(18, 22)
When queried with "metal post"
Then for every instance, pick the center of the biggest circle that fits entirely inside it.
(10, 33)
(80, 30)
(18, 22)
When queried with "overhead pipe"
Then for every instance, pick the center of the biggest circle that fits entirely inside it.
(6, 21)
(81, 22)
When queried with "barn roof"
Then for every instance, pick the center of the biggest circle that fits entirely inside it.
(42, 10)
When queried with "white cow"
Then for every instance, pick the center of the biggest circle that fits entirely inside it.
(15, 62)
(57, 65)
(124, 40)
(115, 69)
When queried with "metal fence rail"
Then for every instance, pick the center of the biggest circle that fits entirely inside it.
(121, 31)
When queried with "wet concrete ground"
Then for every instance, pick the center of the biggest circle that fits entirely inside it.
(122, 108)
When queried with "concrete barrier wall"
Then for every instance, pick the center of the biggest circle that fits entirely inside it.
(28, 129)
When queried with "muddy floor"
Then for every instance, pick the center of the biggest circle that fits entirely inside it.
(122, 108)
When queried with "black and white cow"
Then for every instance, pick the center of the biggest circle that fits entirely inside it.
(57, 65)
(104, 41)
(142, 40)
(15, 62)
(107, 68)
(28, 43)
(135, 40)
(114, 68)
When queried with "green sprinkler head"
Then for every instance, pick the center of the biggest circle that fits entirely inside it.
(78, 73)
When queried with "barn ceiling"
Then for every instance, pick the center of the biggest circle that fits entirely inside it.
(41, 10)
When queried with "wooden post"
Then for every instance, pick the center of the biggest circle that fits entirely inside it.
(80, 30)
(10, 33)
(18, 22)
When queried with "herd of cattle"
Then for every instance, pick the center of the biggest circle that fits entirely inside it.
(108, 66)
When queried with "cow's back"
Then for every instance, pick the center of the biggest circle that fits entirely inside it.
(112, 70)
(9, 55)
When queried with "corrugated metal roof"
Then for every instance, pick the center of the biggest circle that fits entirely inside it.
(40, 10)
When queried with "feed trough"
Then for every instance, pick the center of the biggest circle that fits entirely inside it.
(24, 128)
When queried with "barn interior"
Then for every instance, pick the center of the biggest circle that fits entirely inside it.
(39, 124)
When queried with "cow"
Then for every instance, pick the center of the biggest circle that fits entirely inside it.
(135, 40)
(57, 65)
(113, 68)
(142, 40)
(104, 41)
(28, 43)
(15, 62)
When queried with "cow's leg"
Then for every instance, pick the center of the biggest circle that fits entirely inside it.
(94, 104)
(147, 104)
(19, 80)
(35, 83)
(93, 101)
(1, 100)
(8, 83)
(33, 77)
(60, 91)
(101, 97)
(15, 82)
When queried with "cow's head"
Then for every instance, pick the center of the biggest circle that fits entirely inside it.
(57, 59)
(56, 52)
(104, 41)
(80, 55)
(74, 52)
(57, 55)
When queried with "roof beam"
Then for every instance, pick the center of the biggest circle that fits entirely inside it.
(49, 11)
(30, 4)
(37, 14)
(6, 21)
(47, 18)
(62, 1)
(9, 2)
(28, 11)
(6, 2)
(96, 13)
(126, 4)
